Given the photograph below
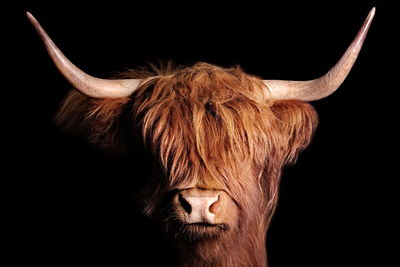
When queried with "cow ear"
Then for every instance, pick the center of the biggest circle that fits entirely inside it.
(297, 122)
(102, 122)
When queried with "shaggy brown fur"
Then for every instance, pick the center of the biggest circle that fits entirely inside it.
(211, 126)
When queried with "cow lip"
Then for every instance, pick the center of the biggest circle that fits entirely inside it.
(205, 224)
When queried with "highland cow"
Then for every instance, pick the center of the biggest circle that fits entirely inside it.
(218, 138)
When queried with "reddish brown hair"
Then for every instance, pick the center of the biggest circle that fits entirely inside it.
(204, 123)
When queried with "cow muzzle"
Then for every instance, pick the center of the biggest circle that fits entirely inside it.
(198, 206)
(203, 212)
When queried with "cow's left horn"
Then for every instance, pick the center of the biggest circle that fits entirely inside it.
(85, 83)
(328, 83)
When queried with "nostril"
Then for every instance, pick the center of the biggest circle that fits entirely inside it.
(186, 206)
(214, 206)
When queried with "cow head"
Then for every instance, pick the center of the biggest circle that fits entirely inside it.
(218, 139)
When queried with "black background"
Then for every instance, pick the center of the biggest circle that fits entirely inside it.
(65, 203)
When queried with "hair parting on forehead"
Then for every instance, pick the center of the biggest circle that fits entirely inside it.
(202, 122)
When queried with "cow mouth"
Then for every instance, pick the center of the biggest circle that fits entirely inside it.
(205, 225)
(194, 232)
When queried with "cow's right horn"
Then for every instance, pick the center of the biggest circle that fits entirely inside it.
(86, 84)
(327, 84)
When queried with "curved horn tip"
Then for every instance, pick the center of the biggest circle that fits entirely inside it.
(372, 12)
(30, 16)
(32, 20)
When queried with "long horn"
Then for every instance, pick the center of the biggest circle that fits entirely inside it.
(85, 83)
(328, 83)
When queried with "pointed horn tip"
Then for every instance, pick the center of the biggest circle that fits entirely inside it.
(29, 15)
(31, 18)
(371, 13)
(368, 21)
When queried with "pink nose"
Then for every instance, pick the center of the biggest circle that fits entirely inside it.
(198, 206)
